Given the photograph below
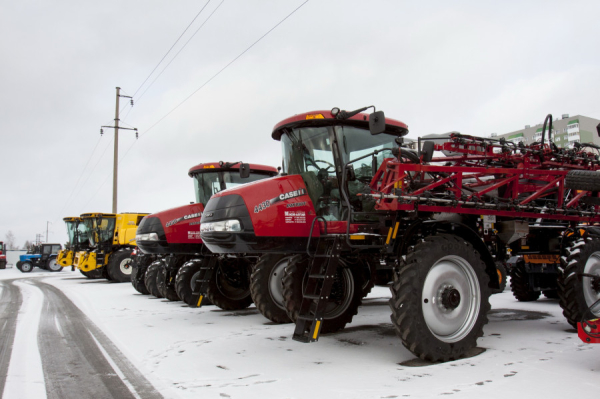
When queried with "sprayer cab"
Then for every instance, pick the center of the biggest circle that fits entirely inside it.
(176, 230)
(269, 215)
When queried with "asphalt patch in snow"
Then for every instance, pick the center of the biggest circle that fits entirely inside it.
(515, 314)
(242, 313)
(383, 329)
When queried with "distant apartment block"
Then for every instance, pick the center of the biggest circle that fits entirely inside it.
(565, 132)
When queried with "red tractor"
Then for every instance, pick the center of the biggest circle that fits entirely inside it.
(352, 194)
(2, 256)
(172, 249)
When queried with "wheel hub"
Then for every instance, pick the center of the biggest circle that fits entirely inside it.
(450, 298)
(125, 266)
(596, 283)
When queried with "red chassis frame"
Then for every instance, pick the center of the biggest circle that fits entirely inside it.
(534, 173)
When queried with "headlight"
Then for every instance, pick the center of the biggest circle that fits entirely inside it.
(224, 225)
(147, 237)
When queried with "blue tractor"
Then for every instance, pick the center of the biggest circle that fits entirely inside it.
(42, 256)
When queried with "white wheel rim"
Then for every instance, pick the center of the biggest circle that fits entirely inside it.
(125, 266)
(276, 282)
(451, 280)
(52, 265)
(26, 267)
(591, 295)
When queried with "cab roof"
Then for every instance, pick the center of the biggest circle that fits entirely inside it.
(220, 166)
(72, 219)
(326, 118)
(96, 214)
(112, 215)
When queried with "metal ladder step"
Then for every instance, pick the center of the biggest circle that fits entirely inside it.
(324, 263)
(209, 264)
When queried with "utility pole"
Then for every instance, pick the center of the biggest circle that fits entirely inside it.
(47, 223)
(116, 151)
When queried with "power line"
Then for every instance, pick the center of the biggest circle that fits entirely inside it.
(204, 84)
(94, 195)
(180, 50)
(96, 164)
(222, 69)
(80, 176)
(167, 53)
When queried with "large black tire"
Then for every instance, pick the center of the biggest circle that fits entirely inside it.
(550, 294)
(93, 274)
(25, 267)
(519, 284)
(138, 273)
(104, 271)
(53, 266)
(369, 274)
(502, 277)
(344, 300)
(165, 288)
(577, 293)
(383, 277)
(2, 264)
(150, 278)
(440, 298)
(266, 287)
(583, 180)
(229, 286)
(185, 281)
(119, 266)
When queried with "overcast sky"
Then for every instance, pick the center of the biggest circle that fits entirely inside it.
(472, 66)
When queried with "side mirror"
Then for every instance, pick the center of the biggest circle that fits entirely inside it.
(244, 170)
(427, 151)
(350, 174)
(377, 122)
(598, 129)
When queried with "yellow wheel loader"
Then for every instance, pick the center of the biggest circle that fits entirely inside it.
(112, 239)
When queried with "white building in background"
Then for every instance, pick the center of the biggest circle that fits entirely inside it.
(565, 132)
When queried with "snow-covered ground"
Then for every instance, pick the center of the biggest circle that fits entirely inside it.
(530, 350)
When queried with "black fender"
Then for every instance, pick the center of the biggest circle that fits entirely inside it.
(425, 228)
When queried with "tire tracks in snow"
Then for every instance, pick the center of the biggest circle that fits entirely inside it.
(77, 358)
(10, 303)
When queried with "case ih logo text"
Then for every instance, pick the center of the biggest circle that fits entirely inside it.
(282, 197)
(186, 217)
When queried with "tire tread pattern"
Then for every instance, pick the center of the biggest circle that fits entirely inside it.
(519, 284)
(150, 278)
(259, 289)
(583, 180)
(407, 314)
(570, 286)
